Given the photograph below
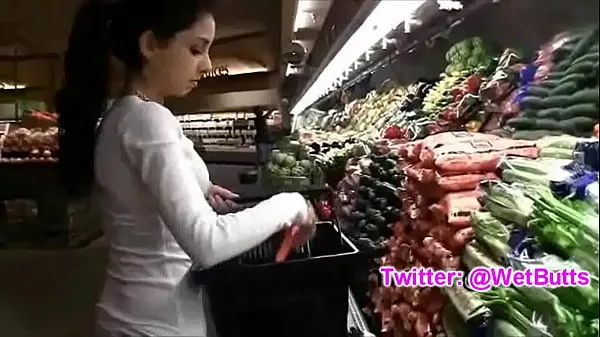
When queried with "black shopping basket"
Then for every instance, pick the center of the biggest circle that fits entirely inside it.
(306, 296)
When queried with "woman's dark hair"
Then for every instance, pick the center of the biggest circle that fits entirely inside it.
(99, 31)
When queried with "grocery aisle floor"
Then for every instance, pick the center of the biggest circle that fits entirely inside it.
(50, 293)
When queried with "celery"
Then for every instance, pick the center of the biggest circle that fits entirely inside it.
(474, 256)
(491, 233)
(509, 203)
(512, 176)
(502, 328)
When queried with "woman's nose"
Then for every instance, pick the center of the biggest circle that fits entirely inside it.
(204, 65)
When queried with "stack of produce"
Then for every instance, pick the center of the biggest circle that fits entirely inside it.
(469, 55)
(290, 166)
(24, 145)
(358, 117)
(441, 191)
(367, 201)
(408, 122)
(563, 98)
(455, 100)
(390, 114)
(499, 93)
(525, 225)
(332, 157)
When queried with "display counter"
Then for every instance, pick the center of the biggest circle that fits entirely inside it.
(223, 154)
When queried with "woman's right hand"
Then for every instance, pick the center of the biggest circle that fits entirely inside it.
(306, 222)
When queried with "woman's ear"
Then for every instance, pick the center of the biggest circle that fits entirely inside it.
(148, 44)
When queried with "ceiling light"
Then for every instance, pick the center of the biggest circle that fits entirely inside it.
(387, 15)
(304, 15)
(11, 86)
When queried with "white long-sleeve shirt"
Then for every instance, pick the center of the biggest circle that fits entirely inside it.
(152, 193)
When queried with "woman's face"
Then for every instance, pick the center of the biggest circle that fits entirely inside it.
(173, 69)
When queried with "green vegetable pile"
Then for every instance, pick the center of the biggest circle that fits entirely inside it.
(464, 59)
(376, 205)
(566, 102)
(291, 166)
(566, 234)
(469, 55)
(440, 96)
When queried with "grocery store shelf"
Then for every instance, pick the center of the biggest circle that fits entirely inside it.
(402, 43)
(228, 155)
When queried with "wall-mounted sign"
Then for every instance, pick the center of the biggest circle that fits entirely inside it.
(219, 71)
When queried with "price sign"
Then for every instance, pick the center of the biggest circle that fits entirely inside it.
(216, 72)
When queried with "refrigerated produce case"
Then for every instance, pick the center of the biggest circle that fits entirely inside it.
(437, 150)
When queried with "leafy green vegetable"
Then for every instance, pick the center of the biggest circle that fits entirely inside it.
(491, 233)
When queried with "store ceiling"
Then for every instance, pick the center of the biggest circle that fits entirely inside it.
(251, 36)
(310, 17)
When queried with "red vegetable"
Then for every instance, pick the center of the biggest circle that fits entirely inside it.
(394, 132)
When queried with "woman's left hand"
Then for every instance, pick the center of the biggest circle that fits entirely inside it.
(220, 199)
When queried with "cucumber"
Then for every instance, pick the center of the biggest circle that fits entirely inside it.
(550, 83)
(521, 123)
(587, 96)
(532, 102)
(591, 57)
(537, 91)
(578, 125)
(556, 102)
(581, 68)
(547, 124)
(552, 113)
(534, 134)
(587, 110)
(529, 113)
(556, 76)
(561, 67)
(567, 88)
(584, 44)
(572, 78)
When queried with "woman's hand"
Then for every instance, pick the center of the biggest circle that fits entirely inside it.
(221, 200)
(306, 226)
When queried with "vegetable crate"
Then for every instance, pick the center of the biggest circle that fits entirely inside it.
(305, 296)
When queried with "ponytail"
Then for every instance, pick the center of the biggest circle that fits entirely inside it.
(82, 99)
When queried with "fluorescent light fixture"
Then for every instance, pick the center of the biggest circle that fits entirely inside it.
(304, 16)
(11, 86)
(386, 16)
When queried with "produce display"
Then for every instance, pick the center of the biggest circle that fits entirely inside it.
(441, 190)
(390, 114)
(367, 202)
(563, 96)
(550, 222)
(290, 166)
(24, 145)
(469, 55)
(496, 164)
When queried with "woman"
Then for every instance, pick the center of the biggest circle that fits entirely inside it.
(151, 186)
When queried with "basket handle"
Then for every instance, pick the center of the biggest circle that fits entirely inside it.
(307, 193)
(286, 244)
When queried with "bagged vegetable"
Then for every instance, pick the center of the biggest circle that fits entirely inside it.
(456, 208)
(483, 162)
(465, 182)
